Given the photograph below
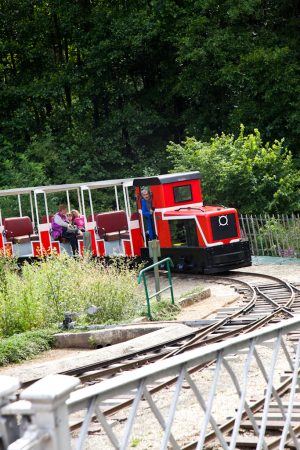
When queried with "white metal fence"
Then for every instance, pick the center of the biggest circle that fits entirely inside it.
(272, 235)
(234, 375)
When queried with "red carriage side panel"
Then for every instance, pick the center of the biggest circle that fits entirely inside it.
(101, 248)
(55, 247)
(45, 240)
(127, 247)
(1, 240)
(136, 233)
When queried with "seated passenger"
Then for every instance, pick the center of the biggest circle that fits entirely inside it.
(78, 220)
(62, 228)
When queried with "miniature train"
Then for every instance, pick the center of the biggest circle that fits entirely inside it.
(198, 238)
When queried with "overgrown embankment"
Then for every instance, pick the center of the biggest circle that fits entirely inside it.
(37, 297)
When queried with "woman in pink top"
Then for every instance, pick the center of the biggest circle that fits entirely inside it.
(78, 220)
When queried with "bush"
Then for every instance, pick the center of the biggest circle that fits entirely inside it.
(40, 295)
(242, 172)
(25, 345)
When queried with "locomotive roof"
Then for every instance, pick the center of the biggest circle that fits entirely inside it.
(166, 179)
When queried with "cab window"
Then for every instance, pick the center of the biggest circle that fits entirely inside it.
(182, 193)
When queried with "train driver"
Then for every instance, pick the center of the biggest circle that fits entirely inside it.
(147, 211)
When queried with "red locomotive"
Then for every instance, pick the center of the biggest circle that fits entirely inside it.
(198, 238)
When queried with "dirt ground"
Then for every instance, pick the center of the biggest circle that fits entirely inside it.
(221, 296)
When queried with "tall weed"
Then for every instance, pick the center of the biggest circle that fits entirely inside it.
(40, 295)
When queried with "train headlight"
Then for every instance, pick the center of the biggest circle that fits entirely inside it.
(223, 221)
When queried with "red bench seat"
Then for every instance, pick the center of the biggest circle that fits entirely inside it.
(112, 226)
(19, 230)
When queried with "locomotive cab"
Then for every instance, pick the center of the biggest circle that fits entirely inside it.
(198, 238)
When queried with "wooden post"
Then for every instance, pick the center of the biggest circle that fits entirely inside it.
(254, 235)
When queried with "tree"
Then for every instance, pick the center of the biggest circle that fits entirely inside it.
(242, 172)
(104, 85)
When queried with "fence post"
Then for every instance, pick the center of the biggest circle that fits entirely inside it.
(9, 430)
(50, 413)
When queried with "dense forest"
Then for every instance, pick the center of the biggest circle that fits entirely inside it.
(94, 89)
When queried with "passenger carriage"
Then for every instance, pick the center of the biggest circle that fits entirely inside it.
(198, 238)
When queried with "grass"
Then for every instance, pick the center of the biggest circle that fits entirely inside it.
(195, 291)
(162, 310)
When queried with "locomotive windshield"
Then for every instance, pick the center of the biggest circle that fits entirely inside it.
(182, 193)
(183, 233)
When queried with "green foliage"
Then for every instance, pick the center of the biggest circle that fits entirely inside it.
(25, 345)
(135, 442)
(242, 171)
(163, 310)
(279, 237)
(93, 90)
(43, 292)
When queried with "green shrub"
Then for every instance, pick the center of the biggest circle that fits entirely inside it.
(247, 173)
(40, 295)
(24, 345)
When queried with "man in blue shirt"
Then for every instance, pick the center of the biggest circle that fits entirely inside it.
(147, 210)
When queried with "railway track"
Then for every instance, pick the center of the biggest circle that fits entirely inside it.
(260, 304)
(263, 300)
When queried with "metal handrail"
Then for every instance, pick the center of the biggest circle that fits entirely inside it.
(259, 365)
(168, 261)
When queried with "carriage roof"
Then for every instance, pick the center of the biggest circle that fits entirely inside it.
(141, 181)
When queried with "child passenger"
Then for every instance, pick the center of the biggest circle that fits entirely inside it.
(70, 218)
(78, 220)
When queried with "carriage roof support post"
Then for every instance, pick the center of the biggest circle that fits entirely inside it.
(32, 210)
(68, 200)
(36, 192)
(36, 206)
(79, 200)
(117, 199)
(91, 202)
(83, 188)
(126, 201)
(46, 206)
(20, 206)
(127, 208)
